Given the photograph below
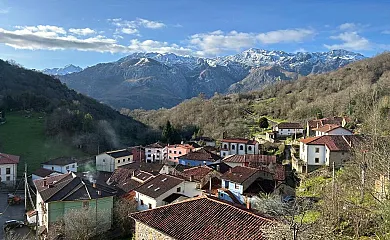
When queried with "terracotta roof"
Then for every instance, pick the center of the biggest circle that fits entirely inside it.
(43, 172)
(198, 173)
(8, 159)
(142, 175)
(328, 127)
(239, 140)
(250, 158)
(289, 125)
(39, 182)
(320, 122)
(159, 185)
(119, 153)
(122, 179)
(239, 174)
(60, 161)
(153, 168)
(156, 145)
(204, 218)
(201, 155)
(333, 142)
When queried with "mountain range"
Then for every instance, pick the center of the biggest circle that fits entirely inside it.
(155, 80)
(68, 69)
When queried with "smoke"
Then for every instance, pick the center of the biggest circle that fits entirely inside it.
(109, 133)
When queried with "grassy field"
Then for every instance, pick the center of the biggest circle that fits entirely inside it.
(23, 135)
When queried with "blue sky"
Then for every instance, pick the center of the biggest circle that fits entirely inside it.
(53, 33)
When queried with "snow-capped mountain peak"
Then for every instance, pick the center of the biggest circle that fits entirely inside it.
(68, 69)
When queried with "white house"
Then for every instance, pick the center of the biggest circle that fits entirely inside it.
(8, 168)
(331, 129)
(288, 129)
(164, 189)
(320, 151)
(61, 164)
(109, 161)
(42, 173)
(156, 152)
(240, 146)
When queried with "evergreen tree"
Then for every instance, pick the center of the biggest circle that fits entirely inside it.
(263, 122)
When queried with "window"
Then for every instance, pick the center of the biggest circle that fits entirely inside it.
(150, 206)
(8, 178)
(73, 166)
(158, 151)
(151, 150)
(316, 160)
(52, 168)
(142, 202)
(226, 184)
(8, 170)
(236, 186)
(123, 160)
(149, 155)
(128, 159)
(224, 154)
(225, 146)
(174, 152)
(85, 204)
(104, 160)
(342, 153)
(249, 148)
(179, 152)
(233, 147)
(119, 161)
(170, 151)
(317, 150)
(170, 157)
(67, 167)
(241, 147)
(178, 189)
(188, 164)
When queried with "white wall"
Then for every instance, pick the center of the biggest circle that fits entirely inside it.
(105, 162)
(337, 131)
(12, 173)
(62, 169)
(155, 153)
(311, 154)
(123, 161)
(233, 187)
(288, 132)
(254, 149)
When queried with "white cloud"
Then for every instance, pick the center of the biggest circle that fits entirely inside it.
(4, 10)
(216, 42)
(55, 38)
(82, 31)
(300, 50)
(347, 26)
(131, 27)
(350, 41)
(386, 32)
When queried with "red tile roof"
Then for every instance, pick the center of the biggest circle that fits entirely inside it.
(250, 158)
(198, 173)
(320, 122)
(156, 145)
(328, 127)
(333, 142)
(239, 140)
(43, 172)
(8, 159)
(204, 218)
(289, 125)
(239, 174)
(186, 146)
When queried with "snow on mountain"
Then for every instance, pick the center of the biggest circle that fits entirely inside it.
(68, 69)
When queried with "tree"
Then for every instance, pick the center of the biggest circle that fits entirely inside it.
(263, 122)
(122, 209)
(170, 134)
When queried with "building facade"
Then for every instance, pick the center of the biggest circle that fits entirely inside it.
(156, 152)
(240, 146)
(8, 168)
(109, 161)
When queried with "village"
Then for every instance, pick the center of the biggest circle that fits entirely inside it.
(176, 188)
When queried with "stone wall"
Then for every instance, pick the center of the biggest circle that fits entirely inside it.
(144, 232)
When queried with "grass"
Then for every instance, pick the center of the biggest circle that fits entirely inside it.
(313, 186)
(25, 137)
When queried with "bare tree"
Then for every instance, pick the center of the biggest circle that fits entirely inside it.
(122, 209)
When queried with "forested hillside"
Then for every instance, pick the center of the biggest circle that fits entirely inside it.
(77, 120)
(348, 91)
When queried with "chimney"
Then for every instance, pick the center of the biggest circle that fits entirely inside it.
(248, 203)
(218, 169)
(94, 185)
(181, 142)
(99, 193)
(44, 182)
(191, 178)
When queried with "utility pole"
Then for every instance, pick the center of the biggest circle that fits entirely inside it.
(25, 186)
(363, 176)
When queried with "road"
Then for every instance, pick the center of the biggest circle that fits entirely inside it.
(12, 212)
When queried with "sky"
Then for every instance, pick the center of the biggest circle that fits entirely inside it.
(42, 34)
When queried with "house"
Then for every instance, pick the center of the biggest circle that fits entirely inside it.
(205, 141)
(156, 152)
(238, 180)
(8, 168)
(316, 123)
(61, 164)
(286, 129)
(59, 194)
(266, 163)
(315, 152)
(157, 191)
(138, 153)
(177, 150)
(199, 157)
(42, 173)
(126, 180)
(109, 161)
(331, 129)
(200, 218)
(240, 146)
(202, 176)
(271, 136)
